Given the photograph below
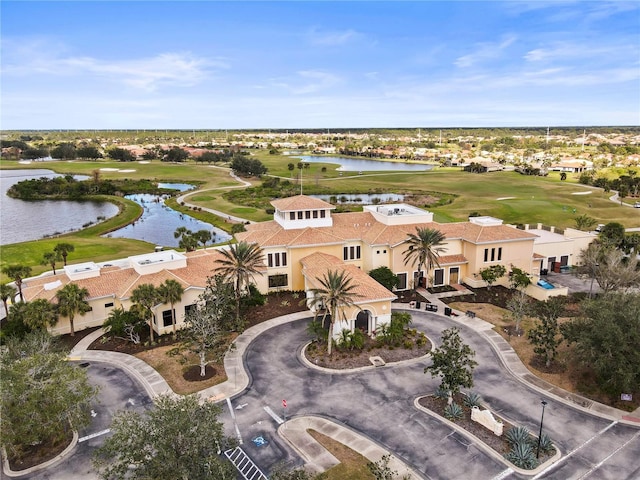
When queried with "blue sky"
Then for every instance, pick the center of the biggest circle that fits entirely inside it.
(216, 65)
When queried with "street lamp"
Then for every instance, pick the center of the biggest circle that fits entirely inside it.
(544, 404)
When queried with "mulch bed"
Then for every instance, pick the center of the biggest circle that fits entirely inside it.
(498, 443)
(341, 359)
(192, 374)
(36, 454)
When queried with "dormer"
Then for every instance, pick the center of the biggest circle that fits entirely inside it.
(302, 212)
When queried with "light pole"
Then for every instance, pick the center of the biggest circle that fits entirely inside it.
(544, 404)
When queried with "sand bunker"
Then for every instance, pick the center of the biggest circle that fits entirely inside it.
(126, 171)
(505, 198)
(109, 169)
(588, 192)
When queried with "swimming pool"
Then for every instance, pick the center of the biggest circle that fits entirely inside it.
(545, 284)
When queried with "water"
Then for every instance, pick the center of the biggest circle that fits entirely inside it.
(357, 165)
(158, 222)
(23, 220)
(363, 198)
(181, 187)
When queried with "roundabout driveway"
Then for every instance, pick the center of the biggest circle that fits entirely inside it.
(118, 391)
(378, 403)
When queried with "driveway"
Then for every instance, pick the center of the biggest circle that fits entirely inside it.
(118, 391)
(379, 404)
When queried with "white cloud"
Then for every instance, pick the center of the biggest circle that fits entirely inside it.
(309, 81)
(332, 39)
(485, 51)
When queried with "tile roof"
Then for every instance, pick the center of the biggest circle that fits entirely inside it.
(317, 265)
(301, 202)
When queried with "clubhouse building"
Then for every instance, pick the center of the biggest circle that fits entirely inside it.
(305, 240)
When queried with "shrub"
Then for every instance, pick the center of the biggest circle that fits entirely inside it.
(546, 445)
(472, 399)
(317, 331)
(521, 455)
(408, 344)
(453, 412)
(517, 435)
(441, 393)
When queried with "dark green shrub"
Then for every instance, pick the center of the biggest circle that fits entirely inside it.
(453, 412)
(517, 435)
(472, 399)
(522, 456)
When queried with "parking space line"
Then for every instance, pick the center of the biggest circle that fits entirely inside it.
(599, 464)
(94, 435)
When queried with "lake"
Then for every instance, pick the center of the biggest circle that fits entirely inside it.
(357, 165)
(26, 220)
(158, 222)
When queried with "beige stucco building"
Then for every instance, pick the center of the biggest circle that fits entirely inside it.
(304, 241)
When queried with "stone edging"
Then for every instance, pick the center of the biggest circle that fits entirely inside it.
(344, 371)
(486, 448)
(41, 466)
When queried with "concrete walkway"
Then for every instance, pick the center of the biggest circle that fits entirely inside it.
(316, 457)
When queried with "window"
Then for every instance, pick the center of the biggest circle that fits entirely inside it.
(277, 259)
(322, 213)
(351, 253)
(278, 281)
(307, 214)
(486, 254)
(108, 305)
(166, 318)
(402, 281)
(188, 308)
(299, 215)
(292, 215)
(499, 253)
(493, 251)
(315, 214)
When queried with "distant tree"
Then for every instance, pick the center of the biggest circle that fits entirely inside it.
(491, 274)
(33, 153)
(72, 299)
(17, 273)
(179, 438)
(146, 297)
(89, 153)
(609, 267)
(149, 155)
(121, 155)
(385, 277)
(453, 363)
(585, 222)
(203, 236)
(612, 234)
(43, 395)
(50, 258)
(563, 176)
(64, 151)
(606, 337)
(171, 292)
(291, 167)
(244, 166)
(545, 335)
(176, 154)
(209, 157)
(518, 306)
(187, 239)
(64, 249)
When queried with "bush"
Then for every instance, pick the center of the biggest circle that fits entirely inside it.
(453, 412)
(517, 435)
(441, 393)
(546, 445)
(521, 455)
(472, 399)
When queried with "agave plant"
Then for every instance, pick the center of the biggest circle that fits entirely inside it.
(518, 435)
(546, 445)
(522, 456)
(472, 399)
(453, 412)
(441, 393)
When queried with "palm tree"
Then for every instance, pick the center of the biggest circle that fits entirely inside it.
(7, 292)
(17, 273)
(146, 297)
(40, 314)
(424, 247)
(64, 249)
(72, 300)
(335, 293)
(171, 292)
(50, 258)
(240, 263)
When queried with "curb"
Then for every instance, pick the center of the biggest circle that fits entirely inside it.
(41, 466)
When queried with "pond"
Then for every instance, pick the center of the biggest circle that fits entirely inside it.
(362, 198)
(158, 222)
(27, 220)
(357, 165)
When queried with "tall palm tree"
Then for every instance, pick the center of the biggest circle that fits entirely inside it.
(40, 314)
(336, 292)
(7, 292)
(71, 300)
(64, 249)
(146, 296)
(240, 263)
(17, 273)
(50, 258)
(424, 247)
(171, 292)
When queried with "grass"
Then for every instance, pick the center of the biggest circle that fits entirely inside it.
(352, 465)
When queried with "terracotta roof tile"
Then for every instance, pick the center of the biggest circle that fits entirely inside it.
(300, 202)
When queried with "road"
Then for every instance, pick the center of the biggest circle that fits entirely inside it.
(379, 404)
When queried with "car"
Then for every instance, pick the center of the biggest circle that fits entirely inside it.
(636, 205)
(600, 227)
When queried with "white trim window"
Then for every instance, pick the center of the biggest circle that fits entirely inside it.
(278, 259)
(352, 252)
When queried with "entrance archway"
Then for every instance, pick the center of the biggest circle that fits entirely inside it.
(363, 321)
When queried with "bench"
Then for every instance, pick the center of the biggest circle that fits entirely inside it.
(471, 314)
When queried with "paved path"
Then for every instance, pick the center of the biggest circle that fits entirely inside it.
(378, 405)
